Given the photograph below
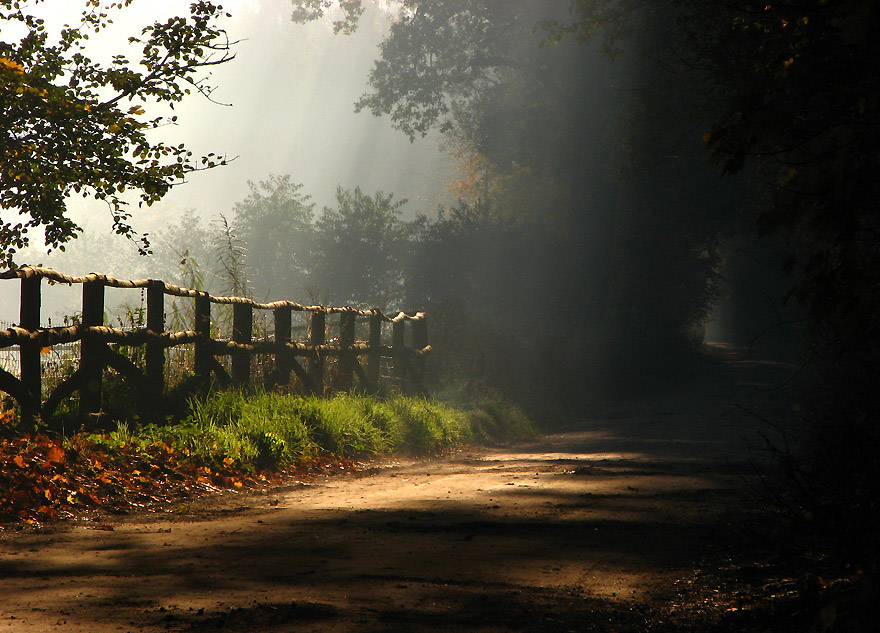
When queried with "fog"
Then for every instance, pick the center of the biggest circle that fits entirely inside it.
(650, 227)
(290, 93)
(572, 176)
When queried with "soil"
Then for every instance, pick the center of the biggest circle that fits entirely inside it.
(624, 522)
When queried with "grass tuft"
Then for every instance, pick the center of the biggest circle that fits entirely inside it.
(269, 430)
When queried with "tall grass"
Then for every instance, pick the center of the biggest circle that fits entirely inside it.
(269, 430)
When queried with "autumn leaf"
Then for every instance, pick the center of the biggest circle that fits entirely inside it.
(11, 65)
(55, 455)
(19, 461)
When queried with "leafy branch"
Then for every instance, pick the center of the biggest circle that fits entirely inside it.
(62, 138)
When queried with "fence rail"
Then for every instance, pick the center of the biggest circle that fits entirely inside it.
(407, 362)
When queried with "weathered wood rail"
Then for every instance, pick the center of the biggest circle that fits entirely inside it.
(408, 362)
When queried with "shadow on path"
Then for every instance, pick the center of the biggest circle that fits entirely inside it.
(596, 529)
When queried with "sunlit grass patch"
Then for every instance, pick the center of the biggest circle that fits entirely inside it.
(268, 430)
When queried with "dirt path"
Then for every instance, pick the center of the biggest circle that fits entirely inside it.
(589, 530)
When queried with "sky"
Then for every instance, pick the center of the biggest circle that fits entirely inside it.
(291, 90)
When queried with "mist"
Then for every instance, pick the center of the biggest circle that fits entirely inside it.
(283, 106)
(631, 247)
(565, 176)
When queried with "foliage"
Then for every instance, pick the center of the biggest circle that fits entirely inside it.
(517, 194)
(308, 10)
(584, 199)
(790, 92)
(829, 476)
(275, 222)
(800, 97)
(440, 57)
(359, 247)
(477, 70)
(185, 247)
(75, 126)
(354, 253)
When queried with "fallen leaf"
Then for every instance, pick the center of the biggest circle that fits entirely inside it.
(55, 455)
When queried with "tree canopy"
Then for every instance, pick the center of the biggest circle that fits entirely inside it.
(564, 153)
(799, 97)
(359, 248)
(72, 125)
(276, 222)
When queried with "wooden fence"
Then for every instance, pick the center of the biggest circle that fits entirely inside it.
(96, 353)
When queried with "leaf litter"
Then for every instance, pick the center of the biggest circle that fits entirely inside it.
(44, 479)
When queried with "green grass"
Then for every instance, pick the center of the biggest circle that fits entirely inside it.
(268, 430)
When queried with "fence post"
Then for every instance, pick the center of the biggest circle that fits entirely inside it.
(347, 357)
(29, 352)
(242, 330)
(282, 337)
(398, 353)
(317, 336)
(92, 348)
(420, 341)
(375, 341)
(155, 352)
(202, 325)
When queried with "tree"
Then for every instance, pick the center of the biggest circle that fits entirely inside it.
(359, 249)
(275, 222)
(800, 100)
(602, 193)
(790, 91)
(477, 70)
(72, 125)
(524, 114)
